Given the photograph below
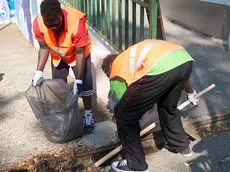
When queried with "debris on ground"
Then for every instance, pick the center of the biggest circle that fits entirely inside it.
(206, 131)
(58, 161)
(68, 159)
(226, 160)
(71, 159)
(187, 164)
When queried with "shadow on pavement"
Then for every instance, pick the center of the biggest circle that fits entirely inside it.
(214, 154)
(1, 76)
(4, 102)
(5, 26)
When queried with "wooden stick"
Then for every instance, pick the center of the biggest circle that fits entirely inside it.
(197, 96)
(147, 129)
(119, 148)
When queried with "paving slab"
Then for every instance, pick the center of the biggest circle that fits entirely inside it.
(210, 155)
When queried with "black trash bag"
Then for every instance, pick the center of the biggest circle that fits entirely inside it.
(57, 109)
(147, 119)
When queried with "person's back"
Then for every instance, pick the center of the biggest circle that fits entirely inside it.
(135, 54)
(149, 57)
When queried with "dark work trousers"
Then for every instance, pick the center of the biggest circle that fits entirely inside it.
(62, 71)
(165, 90)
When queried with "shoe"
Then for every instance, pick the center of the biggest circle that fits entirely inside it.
(122, 166)
(166, 146)
(89, 123)
(186, 152)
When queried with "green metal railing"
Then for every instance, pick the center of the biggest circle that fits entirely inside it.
(111, 19)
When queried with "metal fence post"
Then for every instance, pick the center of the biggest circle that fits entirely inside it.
(153, 18)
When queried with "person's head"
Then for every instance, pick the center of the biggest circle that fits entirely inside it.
(52, 14)
(107, 63)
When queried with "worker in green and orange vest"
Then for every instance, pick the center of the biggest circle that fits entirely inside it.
(62, 34)
(149, 72)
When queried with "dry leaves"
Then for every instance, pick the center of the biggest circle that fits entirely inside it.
(61, 160)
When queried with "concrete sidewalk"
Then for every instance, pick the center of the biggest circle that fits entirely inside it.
(211, 155)
(21, 133)
(211, 66)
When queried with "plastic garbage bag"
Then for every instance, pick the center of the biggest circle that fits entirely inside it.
(147, 119)
(57, 110)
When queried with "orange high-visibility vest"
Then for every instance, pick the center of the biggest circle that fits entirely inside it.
(139, 59)
(66, 50)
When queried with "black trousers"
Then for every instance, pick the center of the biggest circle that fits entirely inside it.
(165, 90)
(62, 71)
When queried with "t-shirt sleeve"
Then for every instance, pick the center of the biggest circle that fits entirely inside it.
(81, 37)
(118, 88)
(37, 32)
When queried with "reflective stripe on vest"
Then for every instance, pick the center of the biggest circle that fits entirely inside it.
(145, 51)
(132, 59)
(58, 51)
(139, 59)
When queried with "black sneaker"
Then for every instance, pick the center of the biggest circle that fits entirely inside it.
(122, 166)
(186, 152)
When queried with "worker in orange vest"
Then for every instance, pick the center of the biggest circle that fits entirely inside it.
(62, 34)
(148, 73)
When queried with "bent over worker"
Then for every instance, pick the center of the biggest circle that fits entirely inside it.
(62, 33)
(148, 73)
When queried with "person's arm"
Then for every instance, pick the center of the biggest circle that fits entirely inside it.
(191, 93)
(80, 41)
(79, 70)
(43, 55)
(80, 63)
(188, 87)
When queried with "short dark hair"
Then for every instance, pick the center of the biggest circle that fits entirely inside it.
(50, 9)
(107, 62)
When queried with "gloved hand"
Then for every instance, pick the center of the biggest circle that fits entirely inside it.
(192, 97)
(38, 78)
(77, 87)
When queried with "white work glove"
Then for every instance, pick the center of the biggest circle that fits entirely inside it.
(38, 78)
(192, 97)
(77, 87)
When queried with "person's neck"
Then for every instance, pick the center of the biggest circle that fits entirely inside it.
(62, 25)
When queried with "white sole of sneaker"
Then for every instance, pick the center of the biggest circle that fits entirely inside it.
(187, 155)
(117, 170)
